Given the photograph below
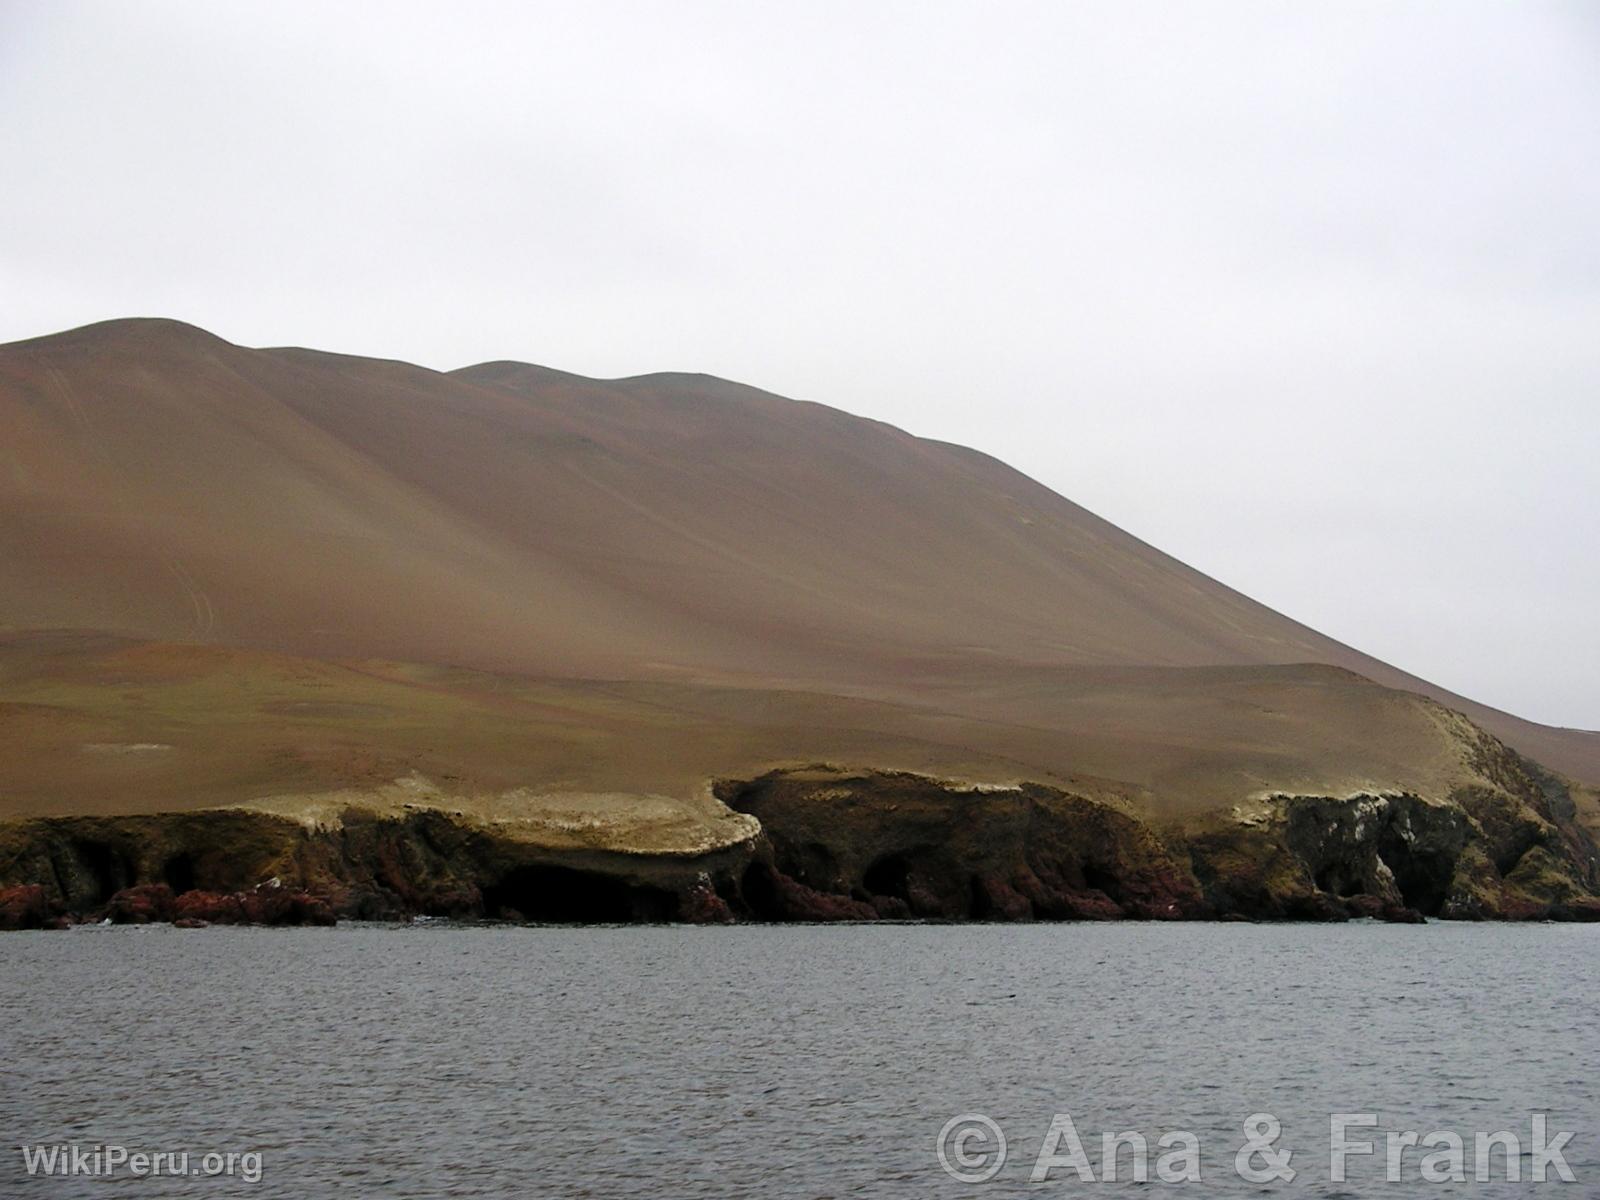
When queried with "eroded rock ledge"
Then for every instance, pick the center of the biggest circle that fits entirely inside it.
(833, 845)
(869, 846)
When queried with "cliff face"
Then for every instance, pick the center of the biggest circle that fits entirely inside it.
(864, 845)
(834, 845)
(237, 866)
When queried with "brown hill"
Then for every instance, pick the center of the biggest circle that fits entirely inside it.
(506, 640)
(158, 482)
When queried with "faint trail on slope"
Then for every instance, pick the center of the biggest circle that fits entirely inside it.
(205, 616)
(70, 399)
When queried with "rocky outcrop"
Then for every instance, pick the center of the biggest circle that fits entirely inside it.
(30, 906)
(1507, 848)
(837, 845)
(140, 905)
(268, 904)
(877, 845)
(855, 846)
(238, 866)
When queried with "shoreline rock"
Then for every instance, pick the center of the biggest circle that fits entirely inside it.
(832, 846)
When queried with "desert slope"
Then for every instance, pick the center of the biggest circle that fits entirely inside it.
(507, 640)
(146, 780)
(156, 481)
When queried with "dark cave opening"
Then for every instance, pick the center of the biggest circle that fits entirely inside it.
(178, 873)
(1334, 880)
(1102, 880)
(1423, 879)
(759, 891)
(889, 876)
(566, 896)
(110, 869)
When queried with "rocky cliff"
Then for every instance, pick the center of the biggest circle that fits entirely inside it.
(835, 845)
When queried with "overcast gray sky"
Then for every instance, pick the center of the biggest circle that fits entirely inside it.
(1307, 295)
